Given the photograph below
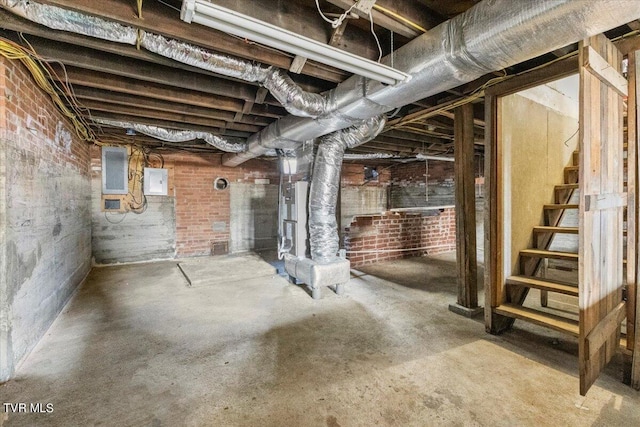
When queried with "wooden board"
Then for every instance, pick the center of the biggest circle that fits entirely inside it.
(633, 215)
(465, 207)
(600, 177)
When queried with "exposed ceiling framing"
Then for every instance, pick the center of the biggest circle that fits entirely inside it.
(121, 82)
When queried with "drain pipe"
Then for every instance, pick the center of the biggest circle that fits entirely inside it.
(490, 36)
(326, 268)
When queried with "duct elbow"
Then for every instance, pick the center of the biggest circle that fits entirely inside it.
(292, 97)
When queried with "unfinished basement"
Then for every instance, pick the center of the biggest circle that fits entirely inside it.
(319, 213)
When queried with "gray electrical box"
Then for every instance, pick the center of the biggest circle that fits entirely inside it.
(156, 182)
(294, 216)
(115, 170)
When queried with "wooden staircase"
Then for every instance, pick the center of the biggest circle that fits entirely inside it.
(532, 261)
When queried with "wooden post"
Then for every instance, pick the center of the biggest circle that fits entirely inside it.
(633, 218)
(467, 265)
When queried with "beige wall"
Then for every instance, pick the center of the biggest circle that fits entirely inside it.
(538, 139)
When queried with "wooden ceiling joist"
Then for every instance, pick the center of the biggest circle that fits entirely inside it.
(162, 20)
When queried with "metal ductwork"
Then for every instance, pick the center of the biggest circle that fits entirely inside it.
(325, 184)
(176, 135)
(490, 36)
(326, 268)
(292, 97)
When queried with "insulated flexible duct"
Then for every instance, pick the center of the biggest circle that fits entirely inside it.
(292, 97)
(490, 36)
(325, 184)
(175, 135)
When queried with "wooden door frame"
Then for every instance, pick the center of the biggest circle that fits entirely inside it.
(494, 204)
(632, 356)
(494, 267)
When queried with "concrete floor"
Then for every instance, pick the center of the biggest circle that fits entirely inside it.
(137, 347)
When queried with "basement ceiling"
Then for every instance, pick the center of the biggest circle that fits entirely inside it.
(122, 83)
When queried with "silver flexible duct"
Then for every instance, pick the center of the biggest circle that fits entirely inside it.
(295, 100)
(292, 97)
(325, 184)
(75, 22)
(490, 36)
(175, 135)
(203, 58)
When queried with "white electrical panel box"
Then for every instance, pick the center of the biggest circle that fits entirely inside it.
(156, 182)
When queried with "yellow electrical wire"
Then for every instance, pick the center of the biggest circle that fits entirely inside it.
(35, 65)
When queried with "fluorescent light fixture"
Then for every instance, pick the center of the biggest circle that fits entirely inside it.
(229, 21)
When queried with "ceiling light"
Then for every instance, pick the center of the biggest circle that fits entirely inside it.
(229, 21)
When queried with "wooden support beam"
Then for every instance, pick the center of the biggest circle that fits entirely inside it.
(603, 330)
(634, 25)
(565, 50)
(297, 64)
(605, 73)
(159, 122)
(465, 207)
(247, 107)
(413, 13)
(261, 95)
(111, 97)
(137, 113)
(104, 62)
(337, 33)
(633, 218)
(450, 115)
(104, 81)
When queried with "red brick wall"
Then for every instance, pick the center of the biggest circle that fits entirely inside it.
(203, 213)
(353, 175)
(393, 235)
(28, 113)
(413, 172)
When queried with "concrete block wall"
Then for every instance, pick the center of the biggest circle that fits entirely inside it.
(45, 215)
(194, 219)
(395, 235)
(130, 237)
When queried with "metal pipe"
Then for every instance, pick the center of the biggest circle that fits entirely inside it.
(490, 36)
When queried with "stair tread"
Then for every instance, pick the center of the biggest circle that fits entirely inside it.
(547, 285)
(561, 206)
(542, 253)
(572, 185)
(541, 318)
(555, 229)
